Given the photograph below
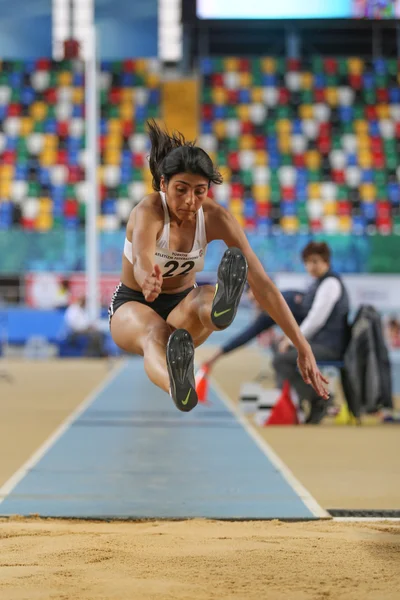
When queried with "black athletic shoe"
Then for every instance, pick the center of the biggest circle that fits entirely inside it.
(180, 362)
(232, 275)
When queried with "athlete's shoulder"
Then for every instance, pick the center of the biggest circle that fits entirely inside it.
(149, 209)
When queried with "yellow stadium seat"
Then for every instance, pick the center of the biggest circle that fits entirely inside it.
(331, 95)
(100, 173)
(127, 94)
(219, 95)
(257, 94)
(284, 143)
(368, 192)
(240, 220)
(246, 142)
(261, 192)
(219, 128)
(78, 95)
(26, 126)
(330, 208)
(115, 126)
(149, 187)
(50, 141)
(345, 224)
(141, 66)
(245, 79)
(383, 112)
(243, 112)
(236, 205)
(290, 224)
(226, 173)
(45, 205)
(5, 188)
(261, 158)
(6, 172)
(65, 78)
(147, 176)
(112, 157)
(355, 66)
(38, 111)
(306, 111)
(231, 64)
(126, 111)
(365, 159)
(152, 80)
(44, 221)
(312, 159)
(48, 158)
(268, 65)
(363, 141)
(361, 126)
(284, 126)
(307, 81)
(314, 191)
(112, 142)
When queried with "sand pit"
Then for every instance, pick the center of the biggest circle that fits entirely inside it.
(198, 560)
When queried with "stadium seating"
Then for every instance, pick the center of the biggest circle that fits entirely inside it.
(42, 141)
(305, 146)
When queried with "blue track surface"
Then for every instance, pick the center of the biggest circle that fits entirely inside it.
(131, 454)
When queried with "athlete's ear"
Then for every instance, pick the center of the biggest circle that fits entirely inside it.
(163, 184)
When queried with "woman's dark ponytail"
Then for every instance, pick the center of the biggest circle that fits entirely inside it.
(172, 154)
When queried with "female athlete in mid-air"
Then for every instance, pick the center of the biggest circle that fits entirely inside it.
(157, 310)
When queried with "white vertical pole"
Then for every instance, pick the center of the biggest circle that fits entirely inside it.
(92, 250)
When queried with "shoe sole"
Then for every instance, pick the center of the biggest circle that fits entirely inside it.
(232, 276)
(180, 363)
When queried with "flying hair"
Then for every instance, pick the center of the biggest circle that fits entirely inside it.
(171, 154)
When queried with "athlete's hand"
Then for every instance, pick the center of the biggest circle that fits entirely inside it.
(310, 372)
(151, 287)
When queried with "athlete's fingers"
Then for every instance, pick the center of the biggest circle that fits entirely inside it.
(157, 272)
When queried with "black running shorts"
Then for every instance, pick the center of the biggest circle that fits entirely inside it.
(163, 305)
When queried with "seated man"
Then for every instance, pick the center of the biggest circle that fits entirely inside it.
(80, 328)
(325, 306)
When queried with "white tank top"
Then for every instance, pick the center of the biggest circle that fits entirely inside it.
(174, 263)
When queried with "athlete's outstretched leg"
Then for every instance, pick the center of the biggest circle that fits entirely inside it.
(168, 354)
(210, 308)
(137, 329)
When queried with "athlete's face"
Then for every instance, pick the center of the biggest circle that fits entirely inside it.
(316, 265)
(185, 193)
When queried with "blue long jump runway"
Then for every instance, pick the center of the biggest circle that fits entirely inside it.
(132, 454)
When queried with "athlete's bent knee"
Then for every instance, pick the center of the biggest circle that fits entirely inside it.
(157, 334)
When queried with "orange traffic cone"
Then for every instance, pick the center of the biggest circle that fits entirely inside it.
(201, 380)
(284, 411)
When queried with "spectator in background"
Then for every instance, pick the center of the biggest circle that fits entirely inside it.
(325, 306)
(63, 294)
(79, 327)
(393, 329)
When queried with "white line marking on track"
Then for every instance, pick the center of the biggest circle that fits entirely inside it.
(286, 473)
(365, 519)
(11, 483)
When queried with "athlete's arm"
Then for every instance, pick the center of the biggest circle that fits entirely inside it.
(144, 236)
(225, 227)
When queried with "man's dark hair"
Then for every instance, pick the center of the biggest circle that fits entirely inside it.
(320, 248)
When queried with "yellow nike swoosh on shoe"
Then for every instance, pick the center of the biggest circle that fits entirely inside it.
(216, 290)
(186, 400)
(223, 312)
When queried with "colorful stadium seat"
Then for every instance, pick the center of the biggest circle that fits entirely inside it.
(315, 145)
(42, 141)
